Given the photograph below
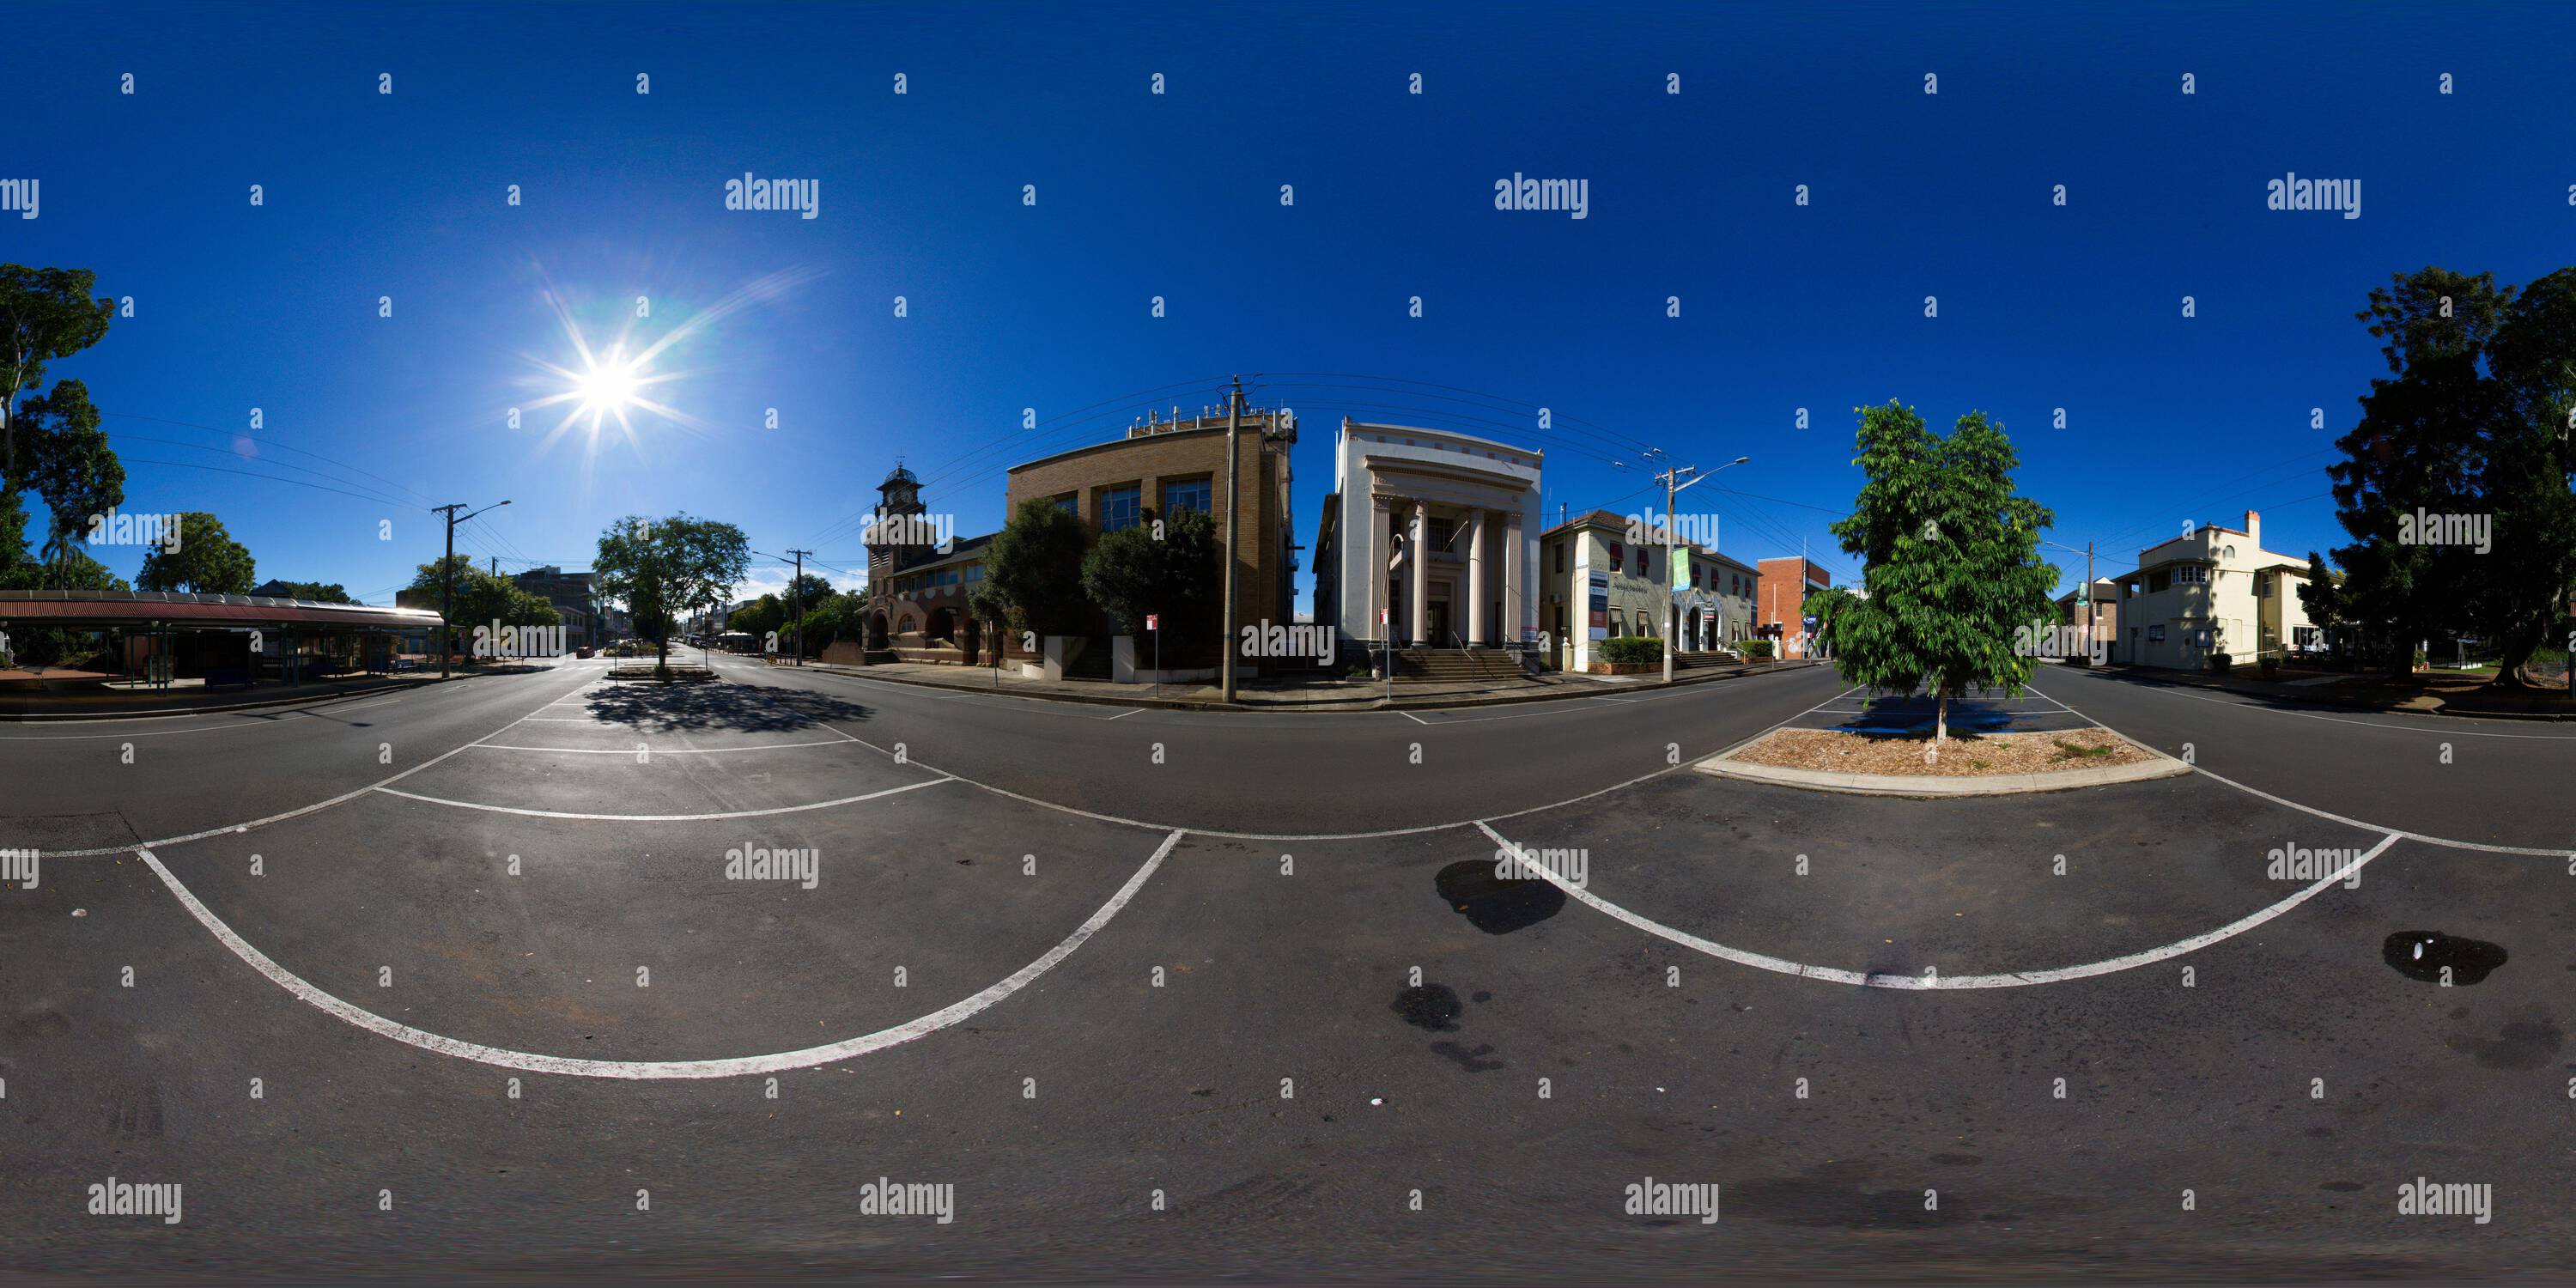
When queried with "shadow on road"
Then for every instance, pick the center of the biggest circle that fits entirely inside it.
(720, 704)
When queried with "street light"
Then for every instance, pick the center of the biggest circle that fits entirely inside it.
(447, 577)
(1672, 487)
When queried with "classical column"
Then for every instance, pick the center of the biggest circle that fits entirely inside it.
(1474, 627)
(1418, 593)
(1515, 582)
(1377, 592)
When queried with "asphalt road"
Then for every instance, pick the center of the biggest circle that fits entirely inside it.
(1189, 994)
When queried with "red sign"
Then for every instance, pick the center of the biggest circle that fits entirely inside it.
(1153, 621)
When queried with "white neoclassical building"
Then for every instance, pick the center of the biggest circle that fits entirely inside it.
(1430, 538)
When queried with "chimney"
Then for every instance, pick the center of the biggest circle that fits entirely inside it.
(2254, 529)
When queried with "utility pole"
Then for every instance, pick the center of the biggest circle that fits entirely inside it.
(794, 602)
(447, 580)
(1233, 522)
(1674, 482)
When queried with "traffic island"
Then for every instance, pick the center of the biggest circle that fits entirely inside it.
(1989, 764)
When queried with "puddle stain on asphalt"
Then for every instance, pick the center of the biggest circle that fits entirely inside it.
(2436, 958)
(1497, 905)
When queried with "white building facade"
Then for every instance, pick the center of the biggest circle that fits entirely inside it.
(1466, 512)
(2210, 591)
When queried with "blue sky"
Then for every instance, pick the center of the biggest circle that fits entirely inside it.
(1178, 195)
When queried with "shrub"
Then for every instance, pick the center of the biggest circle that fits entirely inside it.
(1759, 650)
(2220, 661)
(1632, 649)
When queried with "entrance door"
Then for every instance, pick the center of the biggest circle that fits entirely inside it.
(1439, 623)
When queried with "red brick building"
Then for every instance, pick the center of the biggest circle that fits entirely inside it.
(1779, 612)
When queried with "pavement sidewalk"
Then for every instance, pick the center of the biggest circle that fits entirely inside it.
(1317, 695)
(31, 705)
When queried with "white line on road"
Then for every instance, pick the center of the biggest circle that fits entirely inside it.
(315, 807)
(2354, 822)
(2367, 724)
(1123, 714)
(1412, 717)
(657, 751)
(737, 1066)
(668, 818)
(2014, 979)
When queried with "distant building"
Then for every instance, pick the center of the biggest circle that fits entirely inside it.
(1163, 467)
(573, 598)
(1429, 539)
(1782, 612)
(919, 575)
(2215, 590)
(1596, 582)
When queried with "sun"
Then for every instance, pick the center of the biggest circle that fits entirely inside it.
(609, 384)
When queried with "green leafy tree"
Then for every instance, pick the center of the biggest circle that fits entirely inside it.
(661, 568)
(765, 615)
(207, 562)
(1035, 565)
(987, 604)
(2526, 472)
(1827, 606)
(1133, 572)
(2418, 448)
(45, 313)
(67, 461)
(480, 597)
(315, 591)
(75, 570)
(1950, 558)
(2321, 594)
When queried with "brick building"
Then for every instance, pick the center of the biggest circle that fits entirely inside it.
(1167, 466)
(1780, 611)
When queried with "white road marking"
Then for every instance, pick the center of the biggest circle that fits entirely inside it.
(2354, 822)
(657, 751)
(1412, 717)
(668, 818)
(1123, 714)
(316, 807)
(733, 1067)
(2014, 979)
(2368, 724)
(277, 721)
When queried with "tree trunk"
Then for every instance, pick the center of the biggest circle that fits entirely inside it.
(1940, 720)
(2518, 648)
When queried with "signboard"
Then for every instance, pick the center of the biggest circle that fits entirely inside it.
(1679, 557)
(1600, 593)
(1154, 621)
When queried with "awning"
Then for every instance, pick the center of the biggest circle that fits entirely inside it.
(92, 608)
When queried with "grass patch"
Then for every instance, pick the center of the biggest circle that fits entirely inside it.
(2070, 751)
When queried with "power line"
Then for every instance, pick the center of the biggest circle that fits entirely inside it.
(216, 429)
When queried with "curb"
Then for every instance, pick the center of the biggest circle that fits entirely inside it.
(1927, 787)
(1360, 706)
(303, 700)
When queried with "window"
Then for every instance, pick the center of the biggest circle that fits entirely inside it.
(1120, 508)
(1618, 556)
(2155, 634)
(1066, 503)
(2192, 574)
(974, 572)
(1193, 495)
(1560, 556)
